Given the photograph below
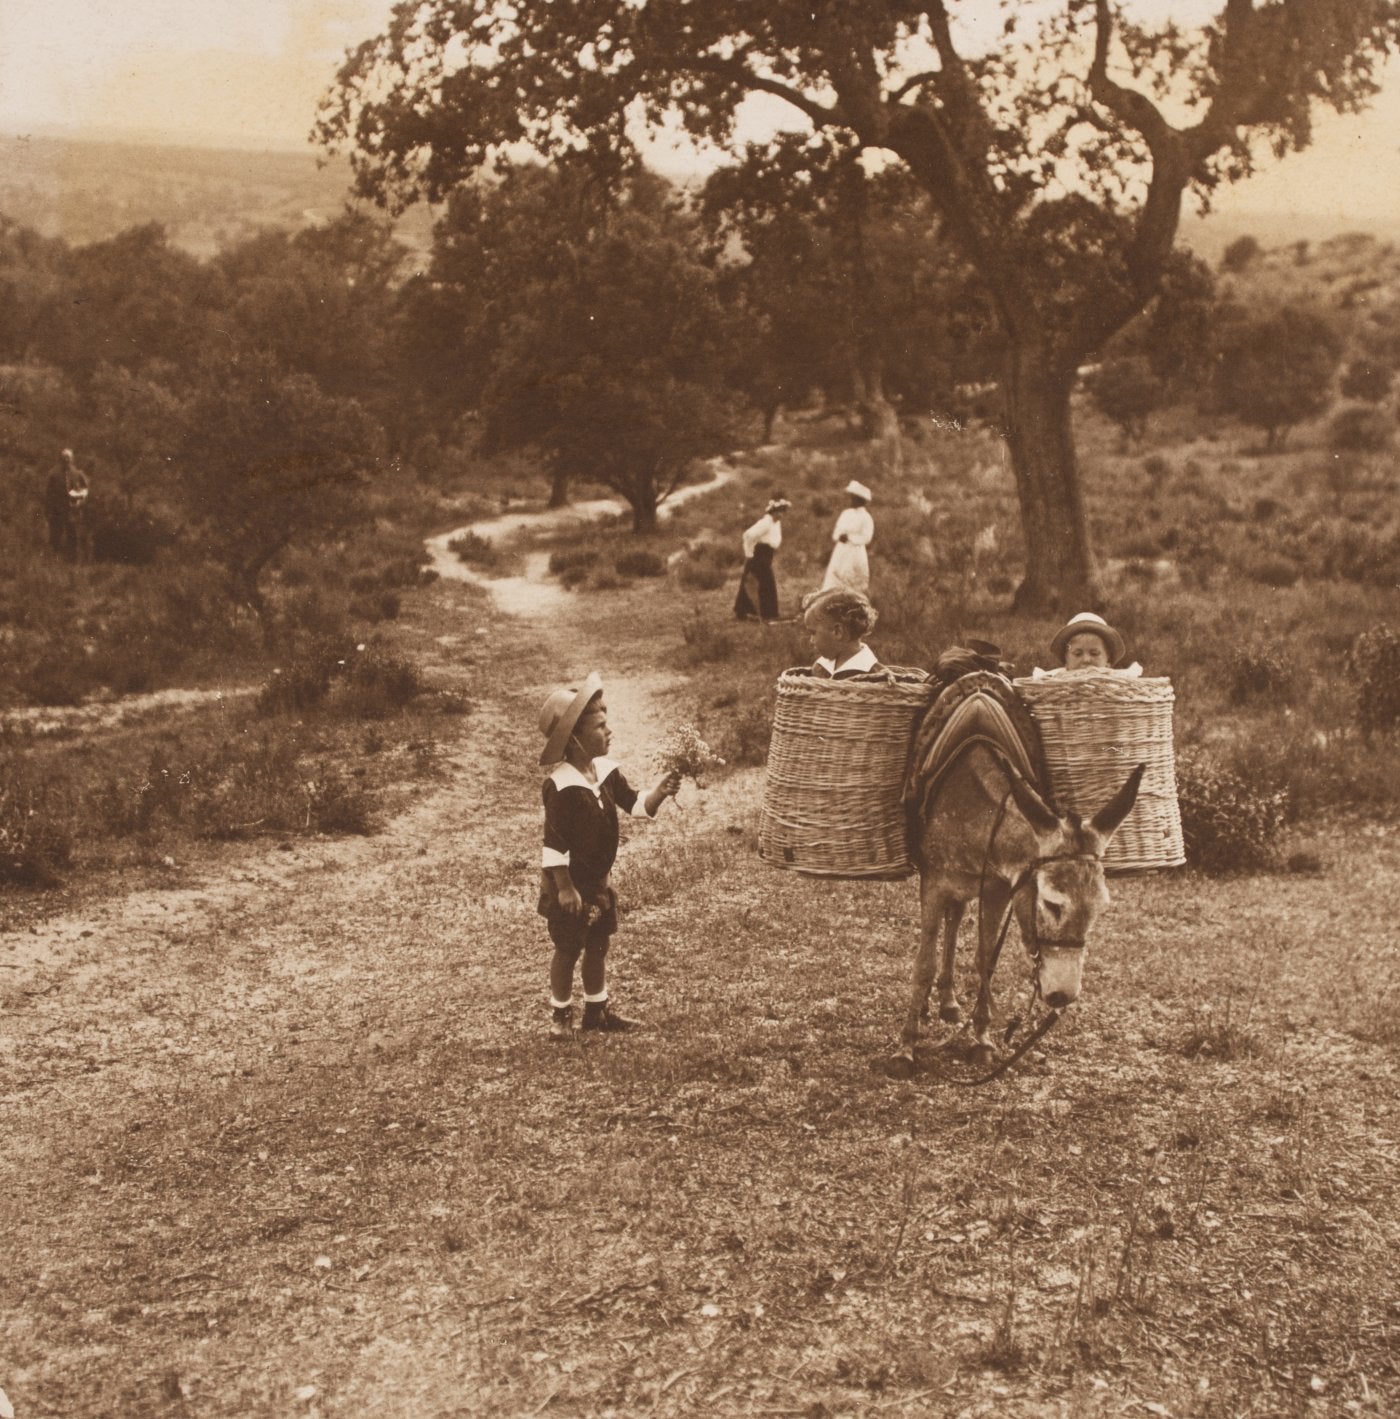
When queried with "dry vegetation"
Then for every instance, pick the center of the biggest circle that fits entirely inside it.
(286, 1136)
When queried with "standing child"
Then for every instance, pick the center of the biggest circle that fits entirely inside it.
(581, 797)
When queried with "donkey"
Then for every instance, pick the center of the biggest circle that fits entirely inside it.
(985, 834)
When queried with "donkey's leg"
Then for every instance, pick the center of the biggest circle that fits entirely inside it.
(932, 905)
(948, 1008)
(996, 897)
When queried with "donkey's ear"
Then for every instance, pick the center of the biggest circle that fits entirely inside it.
(1033, 807)
(1107, 819)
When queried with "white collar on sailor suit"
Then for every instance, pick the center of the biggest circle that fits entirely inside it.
(565, 775)
(863, 659)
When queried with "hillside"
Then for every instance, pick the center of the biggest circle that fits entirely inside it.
(206, 197)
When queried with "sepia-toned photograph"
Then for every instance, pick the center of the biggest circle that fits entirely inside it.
(699, 709)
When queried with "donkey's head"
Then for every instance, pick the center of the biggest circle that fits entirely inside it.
(1062, 889)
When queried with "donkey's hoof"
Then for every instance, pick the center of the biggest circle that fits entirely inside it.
(950, 1014)
(900, 1066)
(983, 1055)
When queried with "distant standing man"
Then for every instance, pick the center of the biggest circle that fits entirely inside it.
(849, 566)
(65, 500)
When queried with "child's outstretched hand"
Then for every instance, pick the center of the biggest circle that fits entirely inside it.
(670, 784)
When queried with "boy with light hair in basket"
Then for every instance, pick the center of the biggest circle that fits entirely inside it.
(582, 796)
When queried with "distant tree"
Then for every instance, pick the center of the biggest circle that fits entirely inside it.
(1359, 428)
(129, 301)
(1241, 254)
(1368, 380)
(268, 460)
(34, 273)
(994, 125)
(1127, 392)
(322, 301)
(139, 422)
(846, 278)
(613, 362)
(1275, 371)
(1180, 324)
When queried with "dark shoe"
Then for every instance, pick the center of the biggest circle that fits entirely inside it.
(561, 1024)
(599, 1015)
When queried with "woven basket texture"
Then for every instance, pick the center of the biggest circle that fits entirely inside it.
(832, 798)
(1096, 728)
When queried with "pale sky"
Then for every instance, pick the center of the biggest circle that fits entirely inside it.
(248, 73)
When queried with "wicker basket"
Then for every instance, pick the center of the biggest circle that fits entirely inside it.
(836, 763)
(1096, 728)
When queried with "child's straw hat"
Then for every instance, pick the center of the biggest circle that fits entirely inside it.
(858, 490)
(1088, 622)
(561, 712)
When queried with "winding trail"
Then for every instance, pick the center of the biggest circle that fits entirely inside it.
(441, 822)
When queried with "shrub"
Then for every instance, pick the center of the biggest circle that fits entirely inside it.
(306, 681)
(639, 562)
(128, 533)
(1375, 667)
(377, 683)
(475, 551)
(1126, 391)
(1229, 825)
(1358, 429)
(1259, 671)
(1271, 569)
(1368, 380)
(706, 640)
(573, 564)
(36, 838)
(707, 565)
(62, 675)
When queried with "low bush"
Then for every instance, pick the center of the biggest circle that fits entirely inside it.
(1229, 824)
(1270, 569)
(1360, 429)
(376, 683)
(707, 639)
(1260, 671)
(475, 551)
(128, 533)
(707, 566)
(572, 565)
(36, 834)
(1374, 664)
(639, 562)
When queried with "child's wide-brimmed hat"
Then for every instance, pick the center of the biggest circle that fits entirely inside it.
(1086, 622)
(561, 712)
(858, 490)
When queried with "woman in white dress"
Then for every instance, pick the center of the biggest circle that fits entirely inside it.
(850, 565)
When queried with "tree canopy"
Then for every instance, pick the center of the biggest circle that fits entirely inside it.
(1055, 140)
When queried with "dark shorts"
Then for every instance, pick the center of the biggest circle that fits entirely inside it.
(597, 923)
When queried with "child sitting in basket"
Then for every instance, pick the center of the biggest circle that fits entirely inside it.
(1087, 642)
(837, 621)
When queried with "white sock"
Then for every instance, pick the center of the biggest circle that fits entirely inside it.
(561, 1004)
(595, 999)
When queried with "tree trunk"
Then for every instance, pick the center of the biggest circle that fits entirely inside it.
(1061, 575)
(879, 422)
(559, 488)
(643, 515)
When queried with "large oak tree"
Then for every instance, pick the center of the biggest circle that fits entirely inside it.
(1057, 160)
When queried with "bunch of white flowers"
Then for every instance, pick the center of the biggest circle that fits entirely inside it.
(686, 753)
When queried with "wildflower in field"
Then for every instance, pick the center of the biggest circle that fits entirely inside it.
(687, 754)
